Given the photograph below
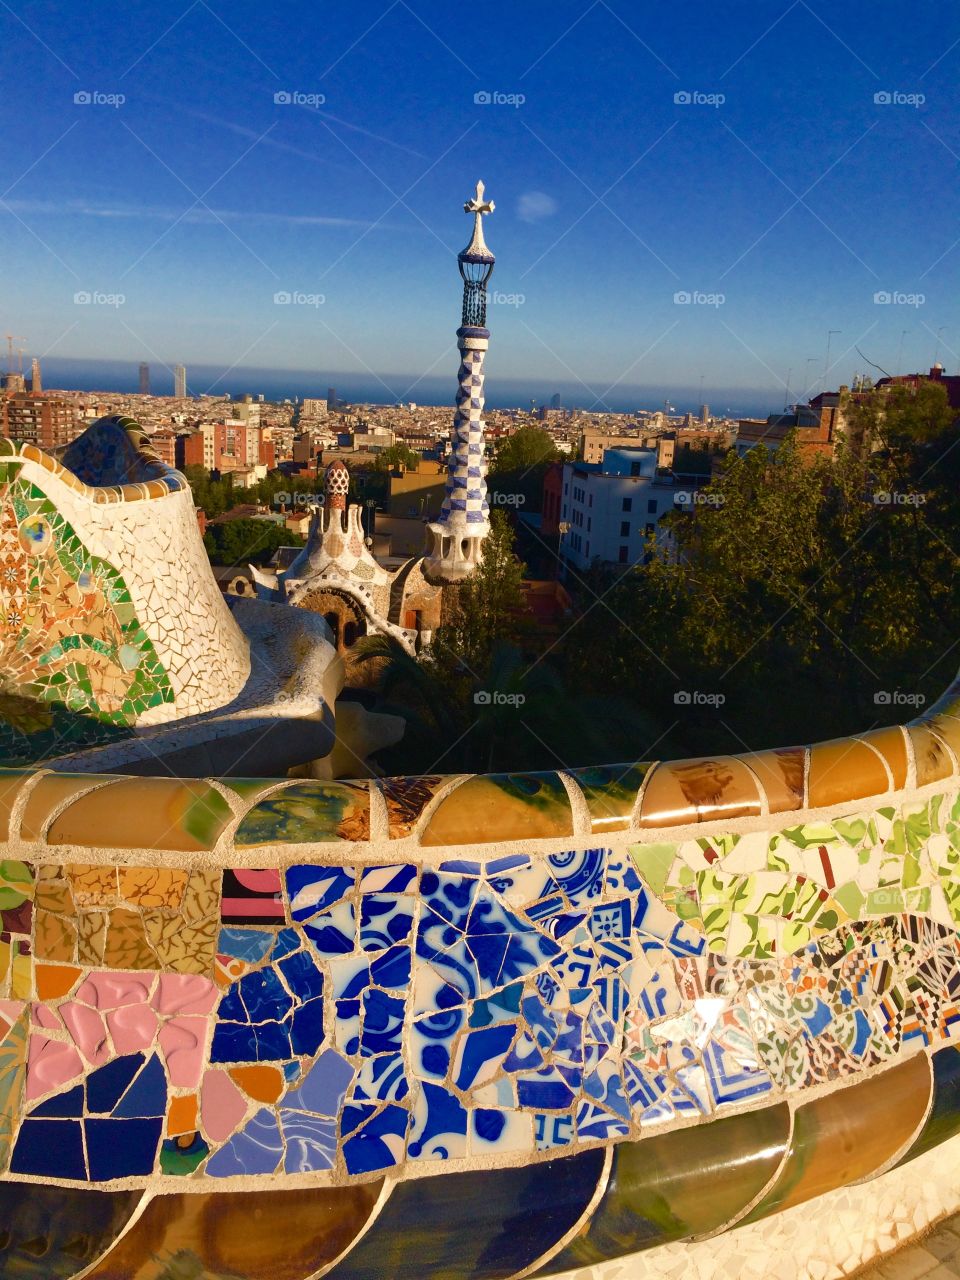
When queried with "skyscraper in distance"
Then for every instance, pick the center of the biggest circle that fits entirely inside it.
(331, 397)
(179, 381)
(144, 379)
(36, 381)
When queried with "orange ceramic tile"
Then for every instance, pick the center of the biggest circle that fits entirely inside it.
(891, 743)
(10, 785)
(182, 1115)
(844, 769)
(516, 806)
(265, 1084)
(145, 813)
(49, 793)
(933, 758)
(781, 776)
(55, 980)
(126, 945)
(93, 884)
(699, 790)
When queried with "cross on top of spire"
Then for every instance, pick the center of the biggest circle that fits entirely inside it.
(476, 250)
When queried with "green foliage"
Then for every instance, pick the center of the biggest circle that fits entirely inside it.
(519, 465)
(397, 455)
(799, 593)
(241, 542)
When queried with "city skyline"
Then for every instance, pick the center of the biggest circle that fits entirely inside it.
(643, 242)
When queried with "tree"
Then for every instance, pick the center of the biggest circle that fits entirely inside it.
(397, 455)
(241, 542)
(519, 465)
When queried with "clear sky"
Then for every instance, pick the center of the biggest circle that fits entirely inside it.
(796, 198)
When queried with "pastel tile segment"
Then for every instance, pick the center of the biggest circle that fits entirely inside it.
(892, 746)
(706, 790)
(934, 760)
(530, 806)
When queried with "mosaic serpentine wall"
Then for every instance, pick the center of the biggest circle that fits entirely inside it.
(108, 608)
(612, 1007)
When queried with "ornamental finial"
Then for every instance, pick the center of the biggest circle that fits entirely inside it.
(476, 250)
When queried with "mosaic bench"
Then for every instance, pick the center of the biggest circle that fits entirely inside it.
(471, 1026)
(692, 1018)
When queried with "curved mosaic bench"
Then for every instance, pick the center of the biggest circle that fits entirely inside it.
(477, 1026)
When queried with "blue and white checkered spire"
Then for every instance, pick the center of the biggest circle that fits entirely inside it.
(455, 540)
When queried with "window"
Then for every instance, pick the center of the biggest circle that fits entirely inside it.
(634, 468)
(627, 504)
(590, 503)
(624, 528)
(588, 550)
(566, 488)
(589, 523)
(651, 506)
(624, 551)
(650, 529)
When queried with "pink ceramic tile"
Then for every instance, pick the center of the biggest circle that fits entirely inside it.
(182, 1041)
(50, 1064)
(11, 1009)
(88, 1031)
(43, 1016)
(185, 993)
(222, 1106)
(132, 1028)
(111, 990)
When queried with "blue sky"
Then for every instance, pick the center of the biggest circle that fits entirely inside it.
(796, 199)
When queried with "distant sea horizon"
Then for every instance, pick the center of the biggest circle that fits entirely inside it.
(122, 377)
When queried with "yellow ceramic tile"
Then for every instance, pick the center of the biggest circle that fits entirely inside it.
(126, 945)
(947, 728)
(91, 937)
(701, 790)
(844, 769)
(54, 938)
(11, 783)
(93, 885)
